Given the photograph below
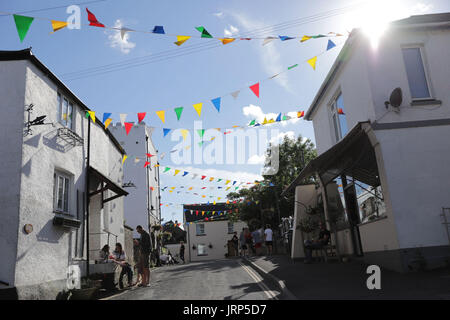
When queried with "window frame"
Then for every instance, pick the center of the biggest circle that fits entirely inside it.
(421, 48)
(70, 104)
(197, 227)
(334, 116)
(57, 174)
(198, 251)
(232, 227)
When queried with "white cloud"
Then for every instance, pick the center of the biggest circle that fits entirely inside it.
(270, 57)
(278, 139)
(421, 8)
(116, 40)
(255, 112)
(231, 31)
(256, 159)
(224, 174)
(218, 14)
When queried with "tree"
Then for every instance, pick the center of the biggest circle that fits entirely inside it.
(261, 203)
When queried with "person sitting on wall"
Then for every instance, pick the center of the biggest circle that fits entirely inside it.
(120, 258)
(323, 240)
(104, 254)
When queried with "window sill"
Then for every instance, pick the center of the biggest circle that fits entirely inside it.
(201, 235)
(374, 220)
(201, 255)
(66, 214)
(427, 102)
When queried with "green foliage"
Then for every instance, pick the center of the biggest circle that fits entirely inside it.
(265, 203)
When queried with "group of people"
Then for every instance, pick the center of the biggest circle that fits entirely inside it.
(253, 241)
(119, 257)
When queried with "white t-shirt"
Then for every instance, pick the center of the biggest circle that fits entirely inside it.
(268, 233)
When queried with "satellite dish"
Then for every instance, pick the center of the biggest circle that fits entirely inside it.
(395, 99)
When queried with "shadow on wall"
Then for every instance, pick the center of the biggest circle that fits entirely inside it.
(50, 233)
(52, 140)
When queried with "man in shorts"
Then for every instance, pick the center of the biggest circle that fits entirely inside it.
(144, 247)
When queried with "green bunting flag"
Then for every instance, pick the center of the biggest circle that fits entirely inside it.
(205, 34)
(252, 123)
(23, 23)
(166, 169)
(201, 132)
(178, 111)
(292, 67)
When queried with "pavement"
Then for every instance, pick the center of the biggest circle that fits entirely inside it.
(338, 280)
(227, 279)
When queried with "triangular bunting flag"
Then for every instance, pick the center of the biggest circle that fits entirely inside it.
(203, 177)
(300, 114)
(226, 40)
(235, 94)
(107, 122)
(58, 25)
(128, 126)
(123, 31)
(158, 29)
(284, 38)
(184, 133)
(141, 116)
(106, 116)
(178, 111)
(181, 40)
(166, 169)
(166, 131)
(185, 173)
(293, 66)
(93, 20)
(124, 158)
(267, 40)
(312, 62)
(176, 172)
(161, 115)
(252, 123)
(92, 115)
(201, 132)
(255, 89)
(123, 117)
(330, 45)
(198, 108)
(146, 164)
(279, 117)
(205, 34)
(23, 23)
(340, 111)
(304, 38)
(216, 103)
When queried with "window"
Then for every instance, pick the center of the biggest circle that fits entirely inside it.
(338, 118)
(200, 228)
(415, 71)
(230, 227)
(201, 250)
(65, 111)
(61, 190)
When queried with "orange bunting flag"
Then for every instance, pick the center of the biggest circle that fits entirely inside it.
(107, 122)
(198, 108)
(340, 111)
(227, 40)
(181, 40)
(161, 115)
(300, 114)
(312, 62)
(58, 25)
(211, 179)
(151, 188)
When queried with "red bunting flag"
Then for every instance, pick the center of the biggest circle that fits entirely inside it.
(300, 114)
(146, 164)
(255, 89)
(141, 116)
(340, 111)
(149, 155)
(203, 177)
(151, 188)
(93, 20)
(128, 126)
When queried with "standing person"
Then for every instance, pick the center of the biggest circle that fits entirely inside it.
(249, 241)
(182, 248)
(268, 238)
(257, 239)
(137, 262)
(235, 241)
(144, 246)
(242, 241)
(120, 258)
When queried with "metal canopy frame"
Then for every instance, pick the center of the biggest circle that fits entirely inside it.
(106, 184)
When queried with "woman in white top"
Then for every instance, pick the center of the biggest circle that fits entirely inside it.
(120, 258)
(268, 237)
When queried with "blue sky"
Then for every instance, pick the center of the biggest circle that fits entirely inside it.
(178, 78)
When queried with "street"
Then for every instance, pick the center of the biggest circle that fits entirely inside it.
(210, 280)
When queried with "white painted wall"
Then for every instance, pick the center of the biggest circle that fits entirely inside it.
(137, 202)
(44, 255)
(216, 233)
(415, 160)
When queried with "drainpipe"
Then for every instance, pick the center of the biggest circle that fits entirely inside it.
(87, 196)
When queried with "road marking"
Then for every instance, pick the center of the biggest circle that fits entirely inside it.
(259, 281)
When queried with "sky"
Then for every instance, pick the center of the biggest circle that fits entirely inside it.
(146, 72)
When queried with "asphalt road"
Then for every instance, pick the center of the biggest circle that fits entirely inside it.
(211, 280)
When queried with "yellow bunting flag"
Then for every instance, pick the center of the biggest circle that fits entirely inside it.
(187, 147)
(312, 62)
(156, 165)
(227, 40)
(227, 182)
(227, 188)
(181, 40)
(203, 196)
(170, 190)
(173, 188)
(211, 179)
(184, 133)
(161, 115)
(265, 120)
(219, 198)
(58, 25)
(124, 158)
(214, 203)
(203, 213)
(107, 122)
(271, 121)
(190, 188)
(304, 38)
(176, 172)
(198, 107)
(92, 114)
(228, 201)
